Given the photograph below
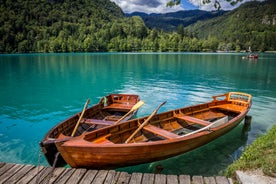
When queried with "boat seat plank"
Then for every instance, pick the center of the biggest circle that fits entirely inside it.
(164, 133)
(230, 107)
(119, 106)
(97, 122)
(194, 120)
(103, 140)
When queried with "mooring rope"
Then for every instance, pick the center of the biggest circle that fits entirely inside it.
(53, 167)
(52, 171)
(38, 165)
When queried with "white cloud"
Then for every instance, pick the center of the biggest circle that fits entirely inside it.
(223, 3)
(159, 6)
(146, 6)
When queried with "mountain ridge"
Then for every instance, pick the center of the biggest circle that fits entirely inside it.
(171, 21)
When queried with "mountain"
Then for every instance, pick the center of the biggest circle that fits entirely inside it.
(253, 24)
(171, 21)
(48, 25)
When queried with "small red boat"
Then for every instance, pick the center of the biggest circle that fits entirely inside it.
(253, 56)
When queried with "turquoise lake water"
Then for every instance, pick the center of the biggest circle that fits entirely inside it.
(37, 91)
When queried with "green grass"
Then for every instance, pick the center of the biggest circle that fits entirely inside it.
(261, 154)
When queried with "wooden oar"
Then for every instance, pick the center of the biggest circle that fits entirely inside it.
(212, 125)
(144, 123)
(82, 113)
(134, 108)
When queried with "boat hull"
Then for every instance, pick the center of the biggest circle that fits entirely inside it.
(110, 157)
(98, 112)
(96, 151)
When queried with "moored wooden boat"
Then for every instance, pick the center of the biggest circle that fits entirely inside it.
(111, 109)
(155, 137)
(253, 56)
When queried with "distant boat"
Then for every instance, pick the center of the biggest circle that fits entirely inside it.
(155, 137)
(253, 56)
(111, 109)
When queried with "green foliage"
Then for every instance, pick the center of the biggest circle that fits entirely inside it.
(100, 25)
(251, 25)
(253, 157)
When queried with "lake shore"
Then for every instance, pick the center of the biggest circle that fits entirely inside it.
(259, 156)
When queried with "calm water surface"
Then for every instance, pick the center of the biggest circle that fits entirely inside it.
(39, 90)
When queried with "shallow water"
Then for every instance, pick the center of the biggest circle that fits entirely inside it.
(39, 90)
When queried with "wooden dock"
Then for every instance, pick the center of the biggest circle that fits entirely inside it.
(29, 174)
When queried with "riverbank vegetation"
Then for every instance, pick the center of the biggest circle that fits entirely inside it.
(261, 154)
(101, 26)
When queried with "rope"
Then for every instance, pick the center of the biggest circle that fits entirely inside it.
(38, 165)
(53, 168)
(52, 171)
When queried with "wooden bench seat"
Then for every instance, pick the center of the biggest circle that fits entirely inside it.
(230, 107)
(164, 133)
(119, 106)
(97, 122)
(194, 120)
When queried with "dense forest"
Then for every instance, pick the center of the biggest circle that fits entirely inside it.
(251, 25)
(171, 21)
(100, 25)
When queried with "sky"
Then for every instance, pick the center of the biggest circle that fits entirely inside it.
(159, 6)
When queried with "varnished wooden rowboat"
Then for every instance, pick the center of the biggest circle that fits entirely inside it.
(111, 109)
(155, 137)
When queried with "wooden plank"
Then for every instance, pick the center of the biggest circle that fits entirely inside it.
(123, 178)
(97, 122)
(160, 179)
(100, 177)
(65, 176)
(172, 179)
(22, 172)
(148, 178)
(136, 178)
(194, 120)
(55, 175)
(76, 177)
(2, 164)
(44, 174)
(33, 173)
(222, 180)
(184, 179)
(9, 173)
(209, 180)
(197, 180)
(159, 131)
(112, 177)
(5, 168)
(89, 177)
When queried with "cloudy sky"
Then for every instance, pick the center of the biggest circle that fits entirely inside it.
(159, 6)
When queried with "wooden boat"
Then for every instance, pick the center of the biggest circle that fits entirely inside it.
(253, 56)
(111, 109)
(156, 137)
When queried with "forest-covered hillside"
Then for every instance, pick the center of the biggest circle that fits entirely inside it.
(54, 25)
(100, 25)
(251, 25)
(171, 21)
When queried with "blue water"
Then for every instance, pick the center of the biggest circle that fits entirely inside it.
(39, 90)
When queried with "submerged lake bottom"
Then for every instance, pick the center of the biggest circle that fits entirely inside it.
(37, 91)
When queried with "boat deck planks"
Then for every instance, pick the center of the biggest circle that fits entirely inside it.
(20, 173)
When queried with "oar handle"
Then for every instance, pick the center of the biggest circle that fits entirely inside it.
(82, 113)
(144, 123)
